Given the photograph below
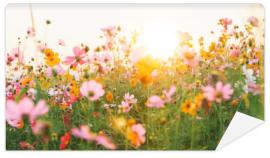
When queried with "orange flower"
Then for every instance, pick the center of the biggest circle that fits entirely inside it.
(198, 100)
(25, 81)
(109, 96)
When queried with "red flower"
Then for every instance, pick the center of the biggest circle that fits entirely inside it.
(65, 139)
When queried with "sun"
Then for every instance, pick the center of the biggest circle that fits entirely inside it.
(160, 39)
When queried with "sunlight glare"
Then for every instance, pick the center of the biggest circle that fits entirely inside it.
(160, 39)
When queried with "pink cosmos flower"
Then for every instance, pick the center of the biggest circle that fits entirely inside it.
(105, 141)
(218, 93)
(17, 53)
(155, 101)
(78, 58)
(226, 22)
(128, 101)
(168, 94)
(235, 52)
(109, 31)
(100, 57)
(38, 110)
(254, 88)
(92, 90)
(61, 42)
(126, 106)
(130, 98)
(10, 58)
(105, 57)
(189, 56)
(13, 114)
(140, 131)
(31, 32)
(15, 111)
(253, 21)
(84, 133)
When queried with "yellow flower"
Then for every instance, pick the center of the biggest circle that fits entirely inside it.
(223, 39)
(189, 107)
(119, 123)
(212, 47)
(181, 67)
(206, 55)
(144, 68)
(69, 77)
(51, 57)
(109, 96)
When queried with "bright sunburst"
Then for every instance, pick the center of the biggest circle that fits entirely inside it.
(160, 39)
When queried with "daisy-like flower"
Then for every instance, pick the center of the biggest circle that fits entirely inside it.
(51, 57)
(92, 90)
(155, 101)
(189, 107)
(218, 93)
(78, 58)
(136, 134)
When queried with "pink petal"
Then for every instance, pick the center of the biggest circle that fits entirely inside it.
(40, 109)
(26, 105)
(76, 51)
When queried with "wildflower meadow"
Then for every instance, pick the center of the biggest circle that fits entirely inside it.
(110, 97)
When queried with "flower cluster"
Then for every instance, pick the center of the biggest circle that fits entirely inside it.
(115, 96)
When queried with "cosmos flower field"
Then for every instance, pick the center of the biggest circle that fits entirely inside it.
(107, 97)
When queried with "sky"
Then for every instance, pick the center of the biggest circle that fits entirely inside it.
(158, 24)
